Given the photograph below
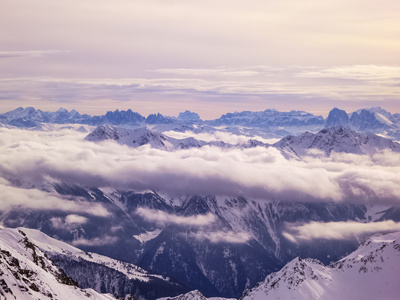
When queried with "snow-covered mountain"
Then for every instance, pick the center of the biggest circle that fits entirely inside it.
(30, 117)
(337, 117)
(271, 122)
(194, 295)
(141, 136)
(28, 273)
(270, 118)
(337, 139)
(375, 119)
(370, 272)
(243, 244)
(239, 248)
(79, 268)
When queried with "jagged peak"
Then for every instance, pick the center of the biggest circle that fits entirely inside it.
(62, 110)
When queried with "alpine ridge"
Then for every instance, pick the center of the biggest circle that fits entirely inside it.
(370, 272)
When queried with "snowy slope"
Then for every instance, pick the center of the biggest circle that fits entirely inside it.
(27, 273)
(194, 295)
(370, 272)
(102, 273)
(53, 246)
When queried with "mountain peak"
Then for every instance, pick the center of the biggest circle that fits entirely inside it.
(370, 272)
(188, 116)
(337, 117)
(62, 110)
(337, 139)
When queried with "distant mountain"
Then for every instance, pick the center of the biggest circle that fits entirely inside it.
(159, 119)
(337, 139)
(144, 136)
(271, 122)
(370, 272)
(28, 273)
(269, 118)
(189, 116)
(334, 139)
(375, 119)
(131, 137)
(337, 117)
(30, 117)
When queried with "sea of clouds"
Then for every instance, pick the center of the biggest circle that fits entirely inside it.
(37, 158)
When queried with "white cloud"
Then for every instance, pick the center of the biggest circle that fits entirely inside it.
(11, 196)
(69, 222)
(337, 230)
(357, 72)
(162, 217)
(98, 241)
(75, 219)
(222, 236)
(258, 172)
(28, 53)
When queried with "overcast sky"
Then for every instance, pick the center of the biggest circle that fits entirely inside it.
(211, 57)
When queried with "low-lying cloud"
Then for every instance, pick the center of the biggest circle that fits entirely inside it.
(222, 236)
(337, 230)
(164, 218)
(204, 226)
(11, 197)
(98, 241)
(63, 156)
(69, 222)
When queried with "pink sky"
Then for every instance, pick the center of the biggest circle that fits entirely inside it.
(211, 57)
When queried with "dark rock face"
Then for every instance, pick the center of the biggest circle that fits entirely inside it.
(337, 117)
(186, 253)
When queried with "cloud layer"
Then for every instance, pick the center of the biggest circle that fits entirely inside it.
(285, 88)
(38, 157)
(161, 217)
(337, 230)
(11, 196)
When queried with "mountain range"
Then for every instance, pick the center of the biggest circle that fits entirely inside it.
(335, 139)
(281, 124)
(242, 240)
(370, 272)
(30, 269)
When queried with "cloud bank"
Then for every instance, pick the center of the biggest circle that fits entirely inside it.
(11, 196)
(337, 230)
(222, 236)
(164, 218)
(98, 241)
(204, 226)
(63, 156)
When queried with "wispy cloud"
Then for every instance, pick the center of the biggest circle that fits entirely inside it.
(281, 88)
(69, 222)
(98, 241)
(29, 53)
(384, 74)
(36, 199)
(337, 230)
(164, 218)
(222, 236)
